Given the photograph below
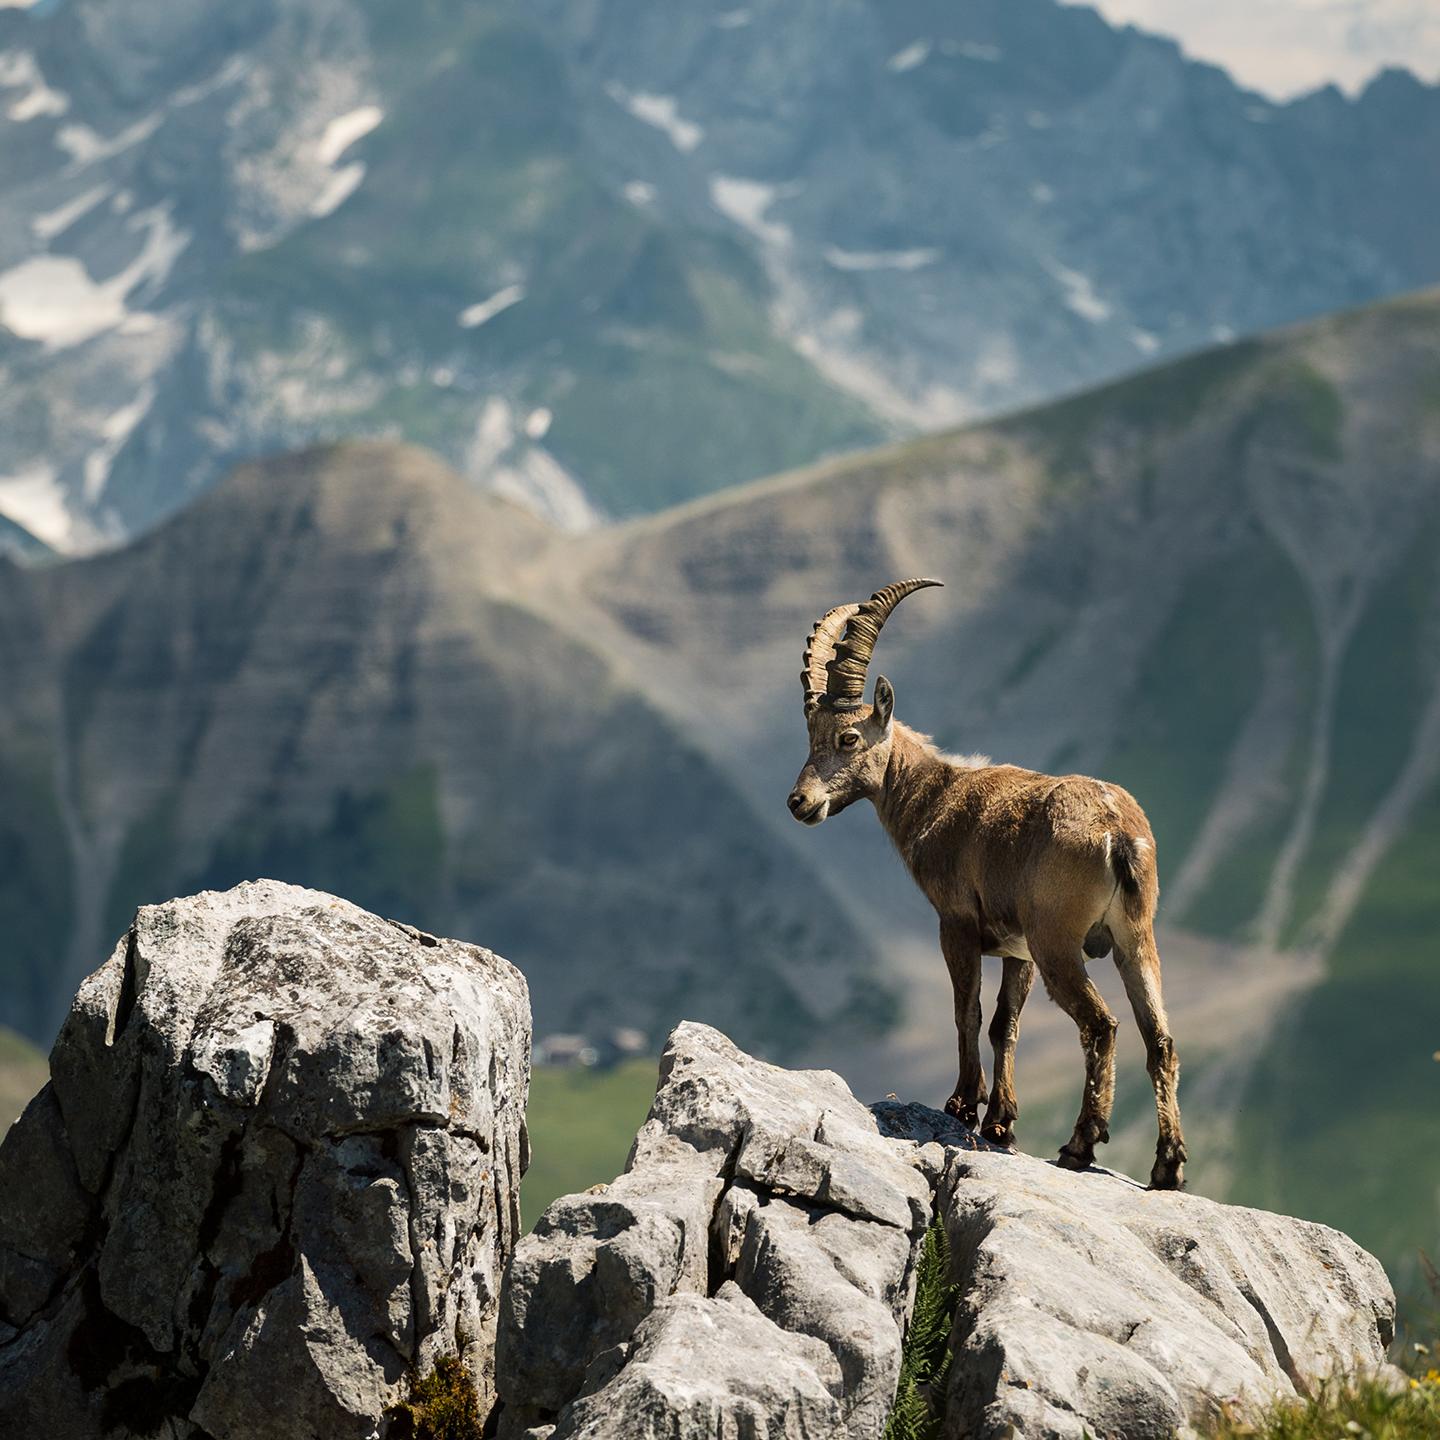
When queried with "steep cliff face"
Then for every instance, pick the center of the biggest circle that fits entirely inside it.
(273, 1177)
(761, 233)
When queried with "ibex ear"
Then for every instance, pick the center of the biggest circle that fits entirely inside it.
(884, 703)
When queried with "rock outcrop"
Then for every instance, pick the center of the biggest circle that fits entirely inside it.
(273, 1175)
(751, 1273)
(1092, 1306)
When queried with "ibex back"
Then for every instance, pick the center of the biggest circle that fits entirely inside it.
(1039, 869)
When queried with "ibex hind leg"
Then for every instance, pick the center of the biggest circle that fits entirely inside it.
(1138, 960)
(1063, 971)
(1004, 1108)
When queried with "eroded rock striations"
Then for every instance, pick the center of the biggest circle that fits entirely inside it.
(274, 1172)
(751, 1273)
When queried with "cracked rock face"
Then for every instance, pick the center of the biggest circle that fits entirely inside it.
(751, 1274)
(276, 1168)
(748, 1276)
(1090, 1305)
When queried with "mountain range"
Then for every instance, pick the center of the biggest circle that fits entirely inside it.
(604, 256)
(1217, 583)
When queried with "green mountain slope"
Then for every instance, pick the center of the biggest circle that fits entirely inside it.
(1217, 583)
(321, 673)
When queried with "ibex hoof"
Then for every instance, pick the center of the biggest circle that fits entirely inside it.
(1069, 1159)
(1168, 1175)
(998, 1134)
(965, 1114)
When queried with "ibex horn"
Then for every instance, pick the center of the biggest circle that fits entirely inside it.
(836, 662)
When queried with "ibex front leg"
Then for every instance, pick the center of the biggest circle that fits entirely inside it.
(960, 941)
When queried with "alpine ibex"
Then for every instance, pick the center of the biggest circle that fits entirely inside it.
(1040, 870)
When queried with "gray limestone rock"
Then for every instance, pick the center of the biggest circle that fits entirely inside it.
(276, 1171)
(771, 1188)
(752, 1274)
(1092, 1305)
(713, 1368)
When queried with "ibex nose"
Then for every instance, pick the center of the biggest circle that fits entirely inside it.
(796, 801)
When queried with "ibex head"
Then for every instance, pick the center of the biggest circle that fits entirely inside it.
(849, 740)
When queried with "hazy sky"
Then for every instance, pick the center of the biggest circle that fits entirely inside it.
(1282, 47)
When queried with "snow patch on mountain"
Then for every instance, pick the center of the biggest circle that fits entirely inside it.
(746, 203)
(34, 498)
(476, 315)
(1080, 294)
(880, 259)
(87, 147)
(910, 58)
(115, 430)
(502, 458)
(338, 189)
(345, 130)
(661, 111)
(55, 222)
(18, 70)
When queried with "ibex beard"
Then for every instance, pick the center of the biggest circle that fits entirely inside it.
(1040, 870)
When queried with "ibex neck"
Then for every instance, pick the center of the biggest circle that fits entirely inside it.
(915, 776)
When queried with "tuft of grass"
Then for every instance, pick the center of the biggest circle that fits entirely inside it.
(1362, 1408)
(442, 1406)
(919, 1406)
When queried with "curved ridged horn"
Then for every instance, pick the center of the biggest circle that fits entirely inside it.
(855, 647)
(820, 651)
(836, 662)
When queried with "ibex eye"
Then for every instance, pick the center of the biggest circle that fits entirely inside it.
(849, 740)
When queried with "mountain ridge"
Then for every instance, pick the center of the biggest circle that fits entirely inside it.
(761, 239)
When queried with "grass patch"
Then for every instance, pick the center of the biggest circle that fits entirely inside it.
(581, 1123)
(23, 1071)
(442, 1406)
(919, 1409)
(1363, 1409)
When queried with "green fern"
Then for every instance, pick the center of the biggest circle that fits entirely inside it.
(925, 1360)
